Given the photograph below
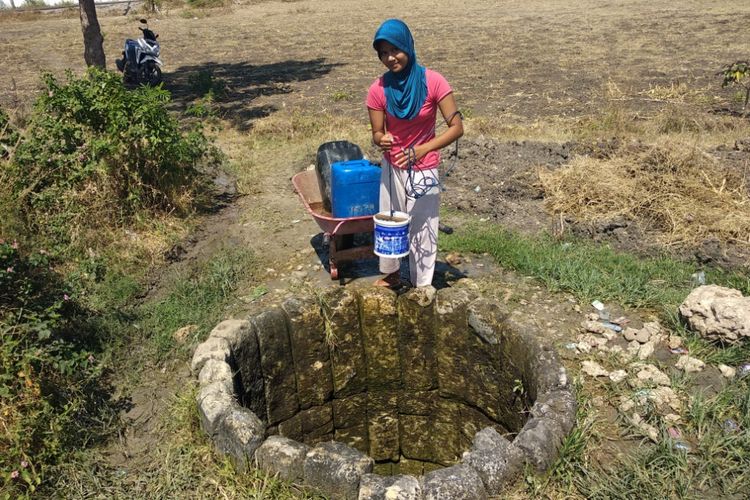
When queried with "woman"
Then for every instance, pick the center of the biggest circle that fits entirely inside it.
(403, 104)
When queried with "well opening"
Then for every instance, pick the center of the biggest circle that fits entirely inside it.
(408, 380)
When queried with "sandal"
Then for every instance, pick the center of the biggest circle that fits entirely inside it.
(392, 280)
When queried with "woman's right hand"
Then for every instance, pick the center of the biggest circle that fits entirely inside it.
(386, 142)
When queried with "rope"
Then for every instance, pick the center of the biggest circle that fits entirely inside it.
(417, 189)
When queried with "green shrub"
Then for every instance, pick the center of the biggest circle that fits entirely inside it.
(8, 135)
(46, 369)
(97, 153)
(204, 83)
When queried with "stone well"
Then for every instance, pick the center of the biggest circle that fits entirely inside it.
(366, 394)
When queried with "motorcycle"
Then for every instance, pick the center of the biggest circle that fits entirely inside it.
(140, 61)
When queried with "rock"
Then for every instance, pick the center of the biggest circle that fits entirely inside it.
(610, 335)
(212, 348)
(672, 418)
(453, 259)
(645, 351)
(583, 346)
(641, 336)
(336, 469)
(626, 405)
(341, 314)
(594, 327)
(383, 425)
(243, 341)
(717, 313)
(674, 342)
(727, 371)
(416, 332)
(633, 348)
(380, 337)
(652, 329)
(540, 440)
(629, 334)
(689, 364)
(400, 487)
(233, 330)
(239, 434)
(183, 333)
(282, 456)
(663, 396)
(217, 371)
(277, 365)
(497, 463)
(646, 429)
(214, 403)
(650, 373)
(560, 406)
(593, 369)
(459, 482)
(309, 347)
(618, 376)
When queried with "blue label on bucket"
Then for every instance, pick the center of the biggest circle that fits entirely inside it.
(391, 241)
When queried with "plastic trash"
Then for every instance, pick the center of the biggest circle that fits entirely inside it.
(682, 446)
(699, 278)
(678, 350)
(571, 346)
(642, 395)
(612, 326)
(601, 310)
(743, 370)
(731, 425)
(477, 189)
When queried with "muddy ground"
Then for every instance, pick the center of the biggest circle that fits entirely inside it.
(525, 65)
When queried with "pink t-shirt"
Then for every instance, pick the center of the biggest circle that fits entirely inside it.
(421, 128)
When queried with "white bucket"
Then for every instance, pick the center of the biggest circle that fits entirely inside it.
(391, 234)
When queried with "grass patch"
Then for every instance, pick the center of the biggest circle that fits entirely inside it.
(184, 466)
(717, 430)
(588, 270)
(573, 459)
(196, 297)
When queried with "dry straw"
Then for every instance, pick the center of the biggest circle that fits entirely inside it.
(679, 193)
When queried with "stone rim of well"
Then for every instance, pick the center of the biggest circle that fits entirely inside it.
(491, 463)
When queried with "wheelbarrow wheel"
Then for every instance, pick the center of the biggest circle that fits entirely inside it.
(334, 270)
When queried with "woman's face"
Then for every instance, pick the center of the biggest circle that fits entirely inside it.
(394, 58)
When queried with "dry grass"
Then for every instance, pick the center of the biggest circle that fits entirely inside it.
(679, 192)
(279, 141)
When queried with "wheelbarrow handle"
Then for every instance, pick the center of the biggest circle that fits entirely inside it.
(338, 226)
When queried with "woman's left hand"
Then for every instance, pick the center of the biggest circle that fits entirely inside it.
(402, 157)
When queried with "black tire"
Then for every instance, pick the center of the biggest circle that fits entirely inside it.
(151, 74)
(128, 73)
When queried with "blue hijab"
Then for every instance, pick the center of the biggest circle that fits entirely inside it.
(405, 91)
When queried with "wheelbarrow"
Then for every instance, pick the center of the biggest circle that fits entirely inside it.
(307, 185)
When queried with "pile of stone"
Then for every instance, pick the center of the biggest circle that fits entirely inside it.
(714, 312)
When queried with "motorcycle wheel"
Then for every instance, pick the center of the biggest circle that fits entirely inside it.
(152, 74)
(128, 73)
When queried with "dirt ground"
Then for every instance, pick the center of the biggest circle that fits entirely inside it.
(524, 64)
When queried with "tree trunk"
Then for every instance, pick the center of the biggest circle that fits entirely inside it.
(12, 5)
(93, 48)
